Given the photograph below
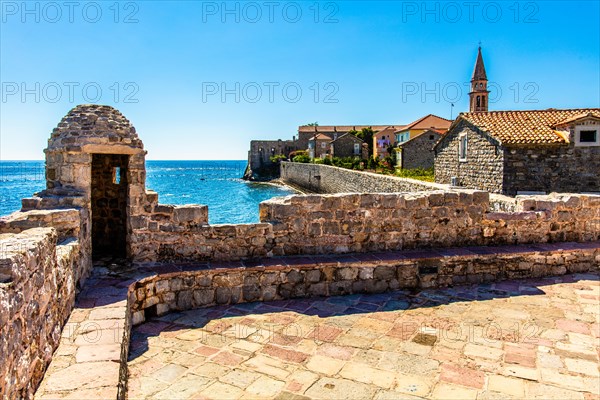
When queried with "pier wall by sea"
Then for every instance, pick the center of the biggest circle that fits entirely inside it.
(320, 178)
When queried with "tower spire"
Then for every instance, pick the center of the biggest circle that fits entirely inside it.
(479, 71)
(478, 96)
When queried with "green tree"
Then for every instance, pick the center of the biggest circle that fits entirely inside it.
(392, 153)
(313, 124)
(366, 135)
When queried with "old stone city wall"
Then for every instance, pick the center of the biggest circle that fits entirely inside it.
(45, 252)
(346, 223)
(40, 267)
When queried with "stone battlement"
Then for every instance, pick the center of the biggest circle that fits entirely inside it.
(343, 223)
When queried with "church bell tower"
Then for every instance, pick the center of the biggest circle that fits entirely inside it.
(479, 94)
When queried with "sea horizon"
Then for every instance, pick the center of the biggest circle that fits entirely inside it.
(217, 184)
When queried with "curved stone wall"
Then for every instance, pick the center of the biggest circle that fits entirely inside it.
(97, 341)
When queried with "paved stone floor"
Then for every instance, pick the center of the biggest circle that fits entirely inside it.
(515, 339)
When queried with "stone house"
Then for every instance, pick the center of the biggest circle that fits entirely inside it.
(318, 146)
(306, 132)
(419, 126)
(348, 145)
(383, 139)
(260, 165)
(511, 152)
(418, 151)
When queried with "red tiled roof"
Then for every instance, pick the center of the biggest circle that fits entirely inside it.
(352, 137)
(320, 136)
(390, 130)
(428, 131)
(427, 122)
(527, 127)
(593, 113)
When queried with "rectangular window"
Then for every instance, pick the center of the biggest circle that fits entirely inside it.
(587, 136)
(356, 148)
(462, 147)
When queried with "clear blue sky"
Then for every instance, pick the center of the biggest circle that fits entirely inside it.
(384, 62)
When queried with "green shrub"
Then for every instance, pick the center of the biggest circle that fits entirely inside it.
(276, 159)
(301, 158)
(373, 163)
(297, 153)
(417, 173)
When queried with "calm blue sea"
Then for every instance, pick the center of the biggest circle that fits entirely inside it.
(214, 183)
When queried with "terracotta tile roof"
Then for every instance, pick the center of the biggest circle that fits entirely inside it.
(427, 122)
(594, 113)
(390, 130)
(320, 136)
(527, 127)
(351, 136)
(427, 132)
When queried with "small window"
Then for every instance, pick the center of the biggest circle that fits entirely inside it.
(431, 137)
(117, 175)
(462, 147)
(323, 145)
(356, 148)
(587, 136)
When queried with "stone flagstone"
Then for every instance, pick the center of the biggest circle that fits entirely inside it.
(467, 355)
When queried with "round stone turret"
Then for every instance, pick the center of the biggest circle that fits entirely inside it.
(96, 161)
(86, 130)
(91, 124)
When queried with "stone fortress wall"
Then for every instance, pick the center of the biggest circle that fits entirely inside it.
(358, 223)
(40, 268)
(46, 248)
